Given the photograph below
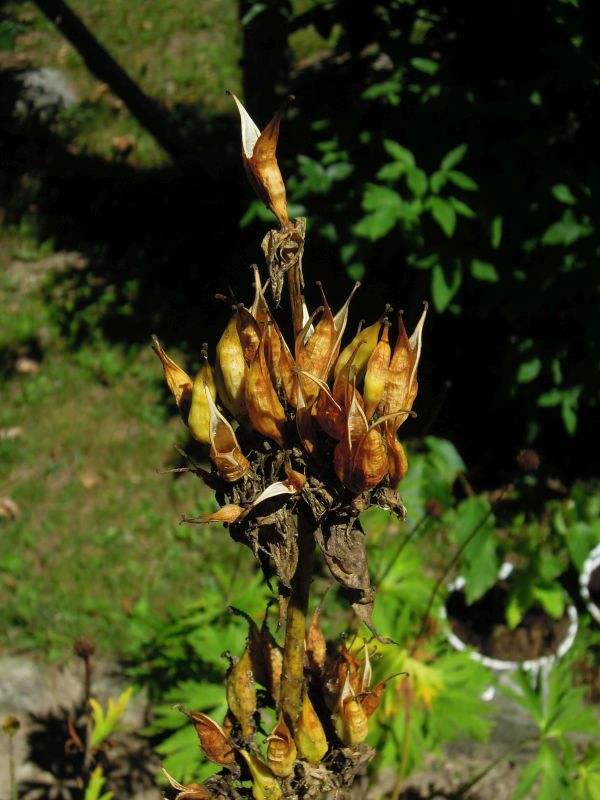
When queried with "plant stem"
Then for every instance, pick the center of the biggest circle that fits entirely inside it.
(464, 790)
(405, 744)
(12, 778)
(292, 676)
(89, 722)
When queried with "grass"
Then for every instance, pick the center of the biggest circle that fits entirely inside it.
(179, 53)
(97, 527)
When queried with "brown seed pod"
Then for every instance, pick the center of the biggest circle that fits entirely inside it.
(213, 739)
(316, 645)
(281, 750)
(309, 735)
(193, 791)
(178, 381)
(260, 162)
(225, 451)
(249, 332)
(266, 413)
(241, 692)
(397, 460)
(231, 370)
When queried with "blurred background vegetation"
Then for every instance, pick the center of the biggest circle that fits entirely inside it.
(441, 152)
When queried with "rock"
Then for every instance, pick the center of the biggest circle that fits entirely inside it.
(44, 92)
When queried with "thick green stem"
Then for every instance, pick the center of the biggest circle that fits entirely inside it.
(292, 676)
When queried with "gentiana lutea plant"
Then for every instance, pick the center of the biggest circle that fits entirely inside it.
(302, 438)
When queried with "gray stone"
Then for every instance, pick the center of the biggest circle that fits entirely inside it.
(44, 92)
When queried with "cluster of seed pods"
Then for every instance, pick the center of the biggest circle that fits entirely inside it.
(343, 405)
(335, 712)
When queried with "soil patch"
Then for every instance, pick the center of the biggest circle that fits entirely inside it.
(482, 625)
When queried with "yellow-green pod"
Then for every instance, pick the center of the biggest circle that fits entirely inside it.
(199, 417)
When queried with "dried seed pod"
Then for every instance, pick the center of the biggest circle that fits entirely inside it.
(397, 460)
(376, 374)
(369, 462)
(249, 332)
(265, 785)
(266, 413)
(213, 739)
(401, 382)
(199, 417)
(371, 698)
(309, 735)
(225, 451)
(226, 514)
(281, 750)
(231, 370)
(241, 692)
(349, 719)
(193, 791)
(260, 162)
(316, 646)
(178, 381)
(367, 339)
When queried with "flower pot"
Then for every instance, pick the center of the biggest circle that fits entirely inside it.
(589, 583)
(533, 645)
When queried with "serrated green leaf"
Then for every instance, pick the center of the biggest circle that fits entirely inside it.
(484, 271)
(453, 157)
(417, 181)
(563, 194)
(399, 153)
(444, 214)
(94, 788)
(462, 181)
(442, 292)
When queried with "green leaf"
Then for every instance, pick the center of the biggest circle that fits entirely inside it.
(454, 157)
(399, 153)
(563, 194)
(567, 230)
(376, 198)
(462, 181)
(425, 65)
(444, 214)
(552, 599)
(483, 271)
(529, 370)
(417, 181)
(550, 399)
(105, 725)
(496, 232)
(339, 171)
(94, 788)
(443, 292)
(438, 180)
(392, 171)
(462, 208)
(376, 225)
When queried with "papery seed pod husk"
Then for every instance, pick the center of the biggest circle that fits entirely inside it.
(199, 417)
(371, 699)
(281, 750)
(397, 460)
(225, 451)
(260, 162)
(368, 337)
(265, 785)
(369, 462)
(306, 426)
(356, 428)
(316, 645)
(266, 413)
(282, 365)
(213, 739)
(309, 734)
(241, 692)
(226, 514)
(376, 373)
(178, 381)
(230, 371)
(193, 791)
(313, 351)
(401, 384)
(249, 332)
(349, 719)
